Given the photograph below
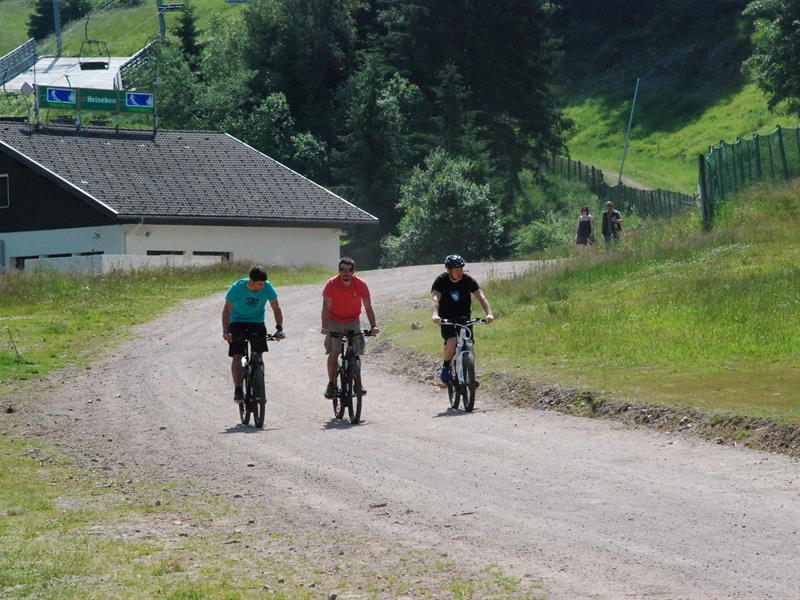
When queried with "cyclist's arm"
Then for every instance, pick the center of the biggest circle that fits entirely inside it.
(326, 310)
(276, 310)
(481, 297)
(370, 314)
(435, 297)
(226, 320)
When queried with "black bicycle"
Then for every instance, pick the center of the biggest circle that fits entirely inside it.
(255, 391)
(462, 384)
(350, 392)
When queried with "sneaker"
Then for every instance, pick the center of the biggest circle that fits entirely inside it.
(238, 395)
(362, 390)
(331, 391)
(444, 374)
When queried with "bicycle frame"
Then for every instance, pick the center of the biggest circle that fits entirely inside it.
(465, 344)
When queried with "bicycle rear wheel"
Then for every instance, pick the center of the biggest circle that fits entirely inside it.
(259, 400)
(244, 405)
(339, 401)
(469, 386)
(453, 389)
(244, 412)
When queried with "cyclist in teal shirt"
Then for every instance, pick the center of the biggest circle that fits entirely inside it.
(243, 319)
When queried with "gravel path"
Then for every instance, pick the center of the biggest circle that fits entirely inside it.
(595, 509)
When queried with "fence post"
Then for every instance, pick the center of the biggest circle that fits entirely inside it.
(797, 135)
(771, 160)
(779, 131)
(757, 140)
(740, 162)
(704, 199)
(734, 173)
(750, 162)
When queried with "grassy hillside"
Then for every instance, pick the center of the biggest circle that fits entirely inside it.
(664, 155)
(692, 92)
(674, 316)
(125, 30)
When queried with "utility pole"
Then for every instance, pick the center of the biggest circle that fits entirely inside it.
(57, 24)
(628, 133)
(162, 23)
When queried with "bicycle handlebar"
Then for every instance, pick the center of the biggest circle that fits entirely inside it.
(461, 324)
(350, 334)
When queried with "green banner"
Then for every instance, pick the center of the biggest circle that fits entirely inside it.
(105, 100)
(102, 100)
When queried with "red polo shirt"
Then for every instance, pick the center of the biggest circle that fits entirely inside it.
(345, 301)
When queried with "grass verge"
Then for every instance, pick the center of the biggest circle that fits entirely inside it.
(59, 319)
(673, 317)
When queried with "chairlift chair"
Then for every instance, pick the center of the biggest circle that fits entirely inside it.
(94, 54)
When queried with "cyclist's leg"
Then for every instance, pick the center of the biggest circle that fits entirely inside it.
(236, 350)
(333, 348)
(448, 333)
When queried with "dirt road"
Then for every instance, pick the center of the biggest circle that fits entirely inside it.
(593, 508)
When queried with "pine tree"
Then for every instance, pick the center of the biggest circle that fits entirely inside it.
(187, 33)
(40, 23)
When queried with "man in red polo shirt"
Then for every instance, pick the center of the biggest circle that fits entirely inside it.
(342, 298)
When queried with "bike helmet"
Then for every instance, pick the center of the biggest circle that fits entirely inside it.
(454, 261)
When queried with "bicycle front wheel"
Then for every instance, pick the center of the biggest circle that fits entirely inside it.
(259, 400)
(470, 385)
(354, 406)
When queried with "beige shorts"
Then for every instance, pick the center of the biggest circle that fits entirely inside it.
(334, 345)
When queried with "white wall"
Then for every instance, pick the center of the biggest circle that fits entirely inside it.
(109, 239)
(285, 246)
(282, 246)
(106, 263)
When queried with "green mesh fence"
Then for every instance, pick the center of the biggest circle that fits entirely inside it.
(650, 203)
(730, 168)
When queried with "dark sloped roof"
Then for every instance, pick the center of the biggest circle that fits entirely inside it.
(178, 176)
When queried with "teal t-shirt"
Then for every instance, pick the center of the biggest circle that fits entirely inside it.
(248, 307)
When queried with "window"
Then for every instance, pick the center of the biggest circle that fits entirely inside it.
(163, 252)
(5, 197)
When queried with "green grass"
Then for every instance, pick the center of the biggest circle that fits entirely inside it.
(125, 30)
(13, 23)
(664, 145)
(68, 532)
(674, 316)
(48, 337)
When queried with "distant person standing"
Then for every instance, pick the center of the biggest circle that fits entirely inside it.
(584, 233)
(612, 224)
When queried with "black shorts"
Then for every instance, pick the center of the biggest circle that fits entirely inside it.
(450, 331)
(255, 332)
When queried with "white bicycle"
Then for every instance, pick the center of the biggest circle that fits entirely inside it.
(462, 384)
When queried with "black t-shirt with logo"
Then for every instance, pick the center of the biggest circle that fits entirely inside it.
(456, 300)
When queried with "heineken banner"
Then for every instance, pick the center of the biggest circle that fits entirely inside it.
(90, 99)
(97, 100)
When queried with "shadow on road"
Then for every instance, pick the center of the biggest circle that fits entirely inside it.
(450, 412)
(334, 424)
(246, 429)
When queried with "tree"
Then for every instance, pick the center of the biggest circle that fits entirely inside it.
(444, 212)
(188, 34)
(304, 49)
(775, 62)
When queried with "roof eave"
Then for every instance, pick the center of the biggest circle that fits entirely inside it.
(243, 221)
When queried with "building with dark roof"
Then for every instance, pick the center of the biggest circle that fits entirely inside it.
(67, 192)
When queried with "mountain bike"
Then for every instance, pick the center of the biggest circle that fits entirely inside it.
(349, 377)
(255, 391)
(462, 384)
